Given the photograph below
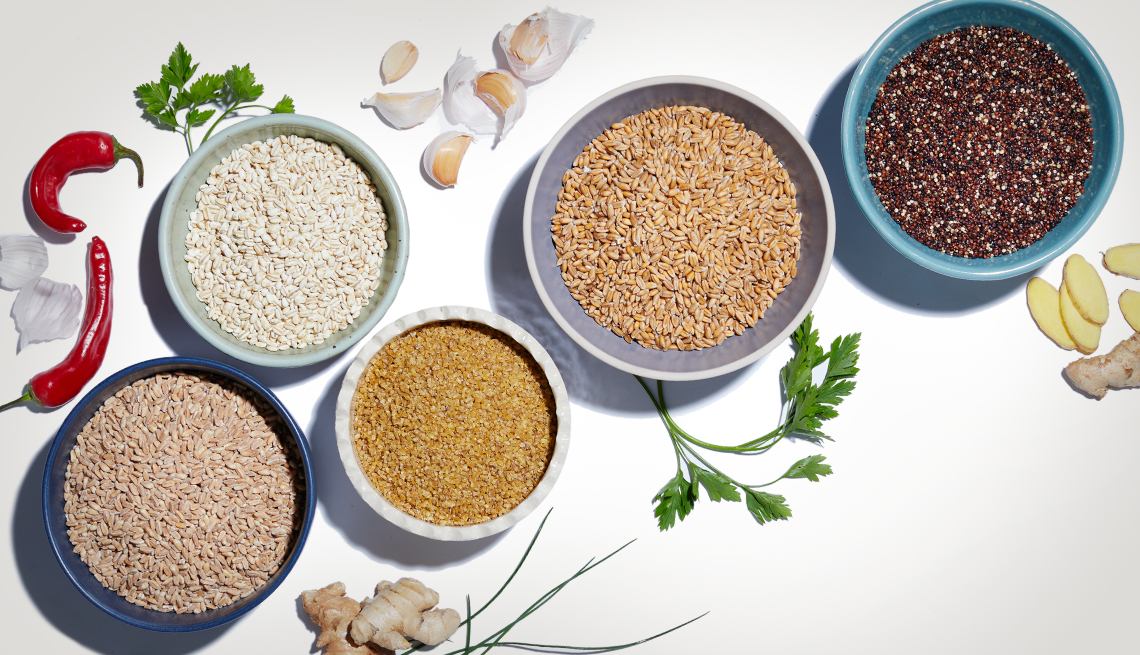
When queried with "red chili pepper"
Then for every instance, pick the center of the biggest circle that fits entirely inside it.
(78, 151)
(63, 382)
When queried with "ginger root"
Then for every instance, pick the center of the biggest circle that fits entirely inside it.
(332, 611)
(1119, 369)
(398, 611)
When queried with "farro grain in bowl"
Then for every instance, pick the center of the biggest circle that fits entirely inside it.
(678, 228)
(453, 423)
(178, 494)
(283, 240)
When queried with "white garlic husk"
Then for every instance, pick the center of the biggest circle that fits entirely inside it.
(23, 258)
(46, 310)
(404, 110)
(398, 61)
(464, 106)
(443, 156)
(537, 47)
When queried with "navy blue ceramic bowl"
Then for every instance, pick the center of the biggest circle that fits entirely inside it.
(940, 17)
(78, 572)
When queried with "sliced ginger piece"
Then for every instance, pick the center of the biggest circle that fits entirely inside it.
(1119, 369)
(1084, 333)
(1045, 306)
(1124, 260)
(1130, 307)
(1086, 290)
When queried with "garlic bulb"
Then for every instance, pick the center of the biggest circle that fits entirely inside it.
(537, 47)
(404, 110)
(443, 155)
(46, 310)
(398, 61)
(23, 258)
(463, 105)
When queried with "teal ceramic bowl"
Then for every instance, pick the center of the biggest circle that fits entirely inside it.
(944, 16)
(173, 226)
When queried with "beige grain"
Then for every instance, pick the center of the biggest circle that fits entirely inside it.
(180, 496)
(676, 228)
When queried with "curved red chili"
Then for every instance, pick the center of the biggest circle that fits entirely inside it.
(78, 151)
(63, 382)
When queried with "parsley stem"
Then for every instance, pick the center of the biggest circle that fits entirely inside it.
(237, 106)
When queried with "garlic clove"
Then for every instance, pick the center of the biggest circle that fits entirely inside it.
(23, 258)
(404, 110)
(46, 310)
(533, 59)
(498, 89)
(529, 39)
(443, 156)
(466, 105)
(459, 100)
(398, 61)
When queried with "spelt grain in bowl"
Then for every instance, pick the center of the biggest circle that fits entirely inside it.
(677, 228)
(287, 241)
(181, 494)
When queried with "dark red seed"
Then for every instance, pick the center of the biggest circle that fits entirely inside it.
(979, 142)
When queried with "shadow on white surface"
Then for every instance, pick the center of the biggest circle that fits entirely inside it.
(588, 380)
(177, 333)
(355, 520)
(60, 602)
(866, 257)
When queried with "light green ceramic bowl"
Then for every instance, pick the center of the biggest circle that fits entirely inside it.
(175, 217)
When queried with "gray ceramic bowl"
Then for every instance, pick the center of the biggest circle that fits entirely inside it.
(813, 197)
(55, 478)
(175, 217)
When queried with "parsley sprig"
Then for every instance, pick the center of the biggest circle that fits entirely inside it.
(177, 104)
(497, 639)
(806, 408)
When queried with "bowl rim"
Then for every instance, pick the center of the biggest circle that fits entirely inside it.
(581, 340)
(925, 256)
(211, 333)
(347, 449)
(203, 365)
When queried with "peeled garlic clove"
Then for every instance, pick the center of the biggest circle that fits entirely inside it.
(46, 310)
(443, 156)
(404, 110)
(23, 258)
(465, 105)
(563, 33)
(398, 61)
(529, 38)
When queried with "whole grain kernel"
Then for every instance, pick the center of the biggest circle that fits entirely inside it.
(454, 423)
(676, 228)
(979, 142)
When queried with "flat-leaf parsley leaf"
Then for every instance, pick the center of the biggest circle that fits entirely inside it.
(807, 407)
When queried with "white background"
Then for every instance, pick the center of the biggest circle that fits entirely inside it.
(978, 505)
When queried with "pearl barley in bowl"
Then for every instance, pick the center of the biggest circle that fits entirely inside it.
(283, 240)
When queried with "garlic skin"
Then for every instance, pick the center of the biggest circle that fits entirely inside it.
(537, 47)
(463, 105)
(23, 258)
(46, 310)
(398, 61)
(404, 110)
(443, 156)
